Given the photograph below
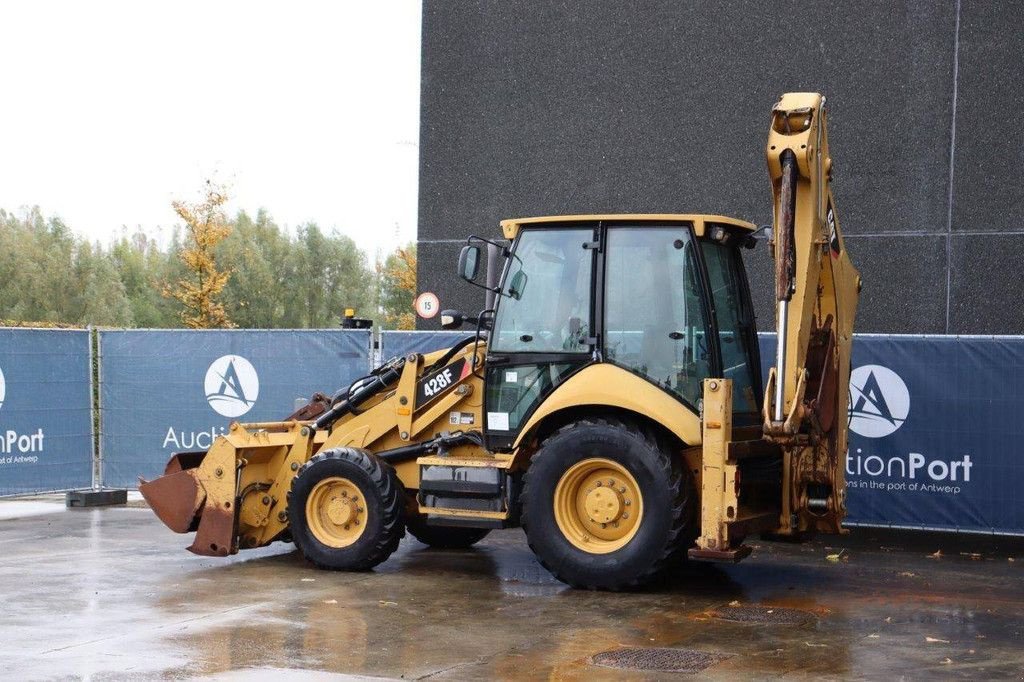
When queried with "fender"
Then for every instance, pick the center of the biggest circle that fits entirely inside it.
(608, 385)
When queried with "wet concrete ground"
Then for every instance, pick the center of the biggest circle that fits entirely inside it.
(111, 594)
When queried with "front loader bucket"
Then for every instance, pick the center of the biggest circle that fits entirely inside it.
(197, 493)
(175, 499)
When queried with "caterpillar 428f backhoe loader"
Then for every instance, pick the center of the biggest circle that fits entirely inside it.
(610, 402)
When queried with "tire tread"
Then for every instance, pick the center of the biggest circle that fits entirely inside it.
(385, 480)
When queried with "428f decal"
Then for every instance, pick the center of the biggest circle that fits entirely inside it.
(437, 383)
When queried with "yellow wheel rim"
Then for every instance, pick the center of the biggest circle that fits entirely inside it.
(598, 506)
(336, 512)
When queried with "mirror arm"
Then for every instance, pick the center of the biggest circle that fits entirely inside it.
(505, 251)
(763, 233)
(484, 320)
(495, 290)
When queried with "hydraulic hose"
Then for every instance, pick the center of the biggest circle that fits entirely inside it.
(452, 352)
(361, 391)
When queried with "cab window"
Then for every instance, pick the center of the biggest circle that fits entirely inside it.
(735, 322)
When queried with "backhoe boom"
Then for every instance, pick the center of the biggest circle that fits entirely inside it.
(816, 291)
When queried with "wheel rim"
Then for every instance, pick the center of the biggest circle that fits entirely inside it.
(336, 512)
(598, 505)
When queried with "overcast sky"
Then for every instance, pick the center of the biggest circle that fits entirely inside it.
(308, 109)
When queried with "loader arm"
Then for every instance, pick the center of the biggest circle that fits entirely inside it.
(816, 291)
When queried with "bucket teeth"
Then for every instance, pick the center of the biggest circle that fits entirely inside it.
(216, 533)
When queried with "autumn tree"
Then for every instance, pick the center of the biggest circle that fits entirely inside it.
(397, 281)
(199, 291)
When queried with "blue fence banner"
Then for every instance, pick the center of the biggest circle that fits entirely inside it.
(398, 343)
(46, 427)
(935, 432)
(934, 420)
(166, 391)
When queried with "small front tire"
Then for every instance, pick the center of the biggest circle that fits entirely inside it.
(345, 510)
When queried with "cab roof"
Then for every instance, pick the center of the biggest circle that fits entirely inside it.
(512, 226)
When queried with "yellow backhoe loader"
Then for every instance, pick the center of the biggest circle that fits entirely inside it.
(609, 401)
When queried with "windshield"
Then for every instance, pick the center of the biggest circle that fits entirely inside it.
(545, 305)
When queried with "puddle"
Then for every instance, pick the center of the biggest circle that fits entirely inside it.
(17, 509)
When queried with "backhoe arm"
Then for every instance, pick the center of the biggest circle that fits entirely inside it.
(816, 290)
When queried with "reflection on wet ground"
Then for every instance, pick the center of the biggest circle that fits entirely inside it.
(110, 594)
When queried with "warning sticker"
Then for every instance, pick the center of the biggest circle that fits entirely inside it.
(833, 235)
(461, 418)
(497, 421)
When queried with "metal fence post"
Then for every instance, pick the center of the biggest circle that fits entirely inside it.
(97, 475)
(98, 407)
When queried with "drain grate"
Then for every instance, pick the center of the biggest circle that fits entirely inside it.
(763, 615)
(658, 659)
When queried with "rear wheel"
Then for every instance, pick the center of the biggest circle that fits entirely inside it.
(345, 510)
(606, 505)
(444, 537)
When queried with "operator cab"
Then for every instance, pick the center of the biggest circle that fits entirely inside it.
(662, 296)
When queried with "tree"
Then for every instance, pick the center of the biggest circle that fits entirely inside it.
(47, 276)
(325, 274)
(100, 294)
(213, 272)
(206, 226)
(396, 277)
(141, 266)
(257, 252)
(37, 257)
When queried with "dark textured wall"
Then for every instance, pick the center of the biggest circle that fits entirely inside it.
(533, 108)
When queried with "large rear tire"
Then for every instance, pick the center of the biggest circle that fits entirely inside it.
(345, 510)
(607, 504)
(444, 537)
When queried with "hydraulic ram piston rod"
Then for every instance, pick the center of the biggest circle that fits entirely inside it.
(780, 359)
(785, 271)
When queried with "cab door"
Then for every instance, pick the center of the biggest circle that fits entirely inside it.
(543, 327)
(656, 322)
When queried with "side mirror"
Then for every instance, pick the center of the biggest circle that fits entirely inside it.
(453, 319)
(517, 285)
(763, 233)
(469, 262)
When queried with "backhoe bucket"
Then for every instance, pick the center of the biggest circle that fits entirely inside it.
(197, 493)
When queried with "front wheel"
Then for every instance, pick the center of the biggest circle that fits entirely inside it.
(345, 510)
(606, 505)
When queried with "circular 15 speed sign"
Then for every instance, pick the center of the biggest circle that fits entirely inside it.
(427, 305)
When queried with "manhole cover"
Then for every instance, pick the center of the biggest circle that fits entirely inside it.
(763, 615)
(658, 660)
